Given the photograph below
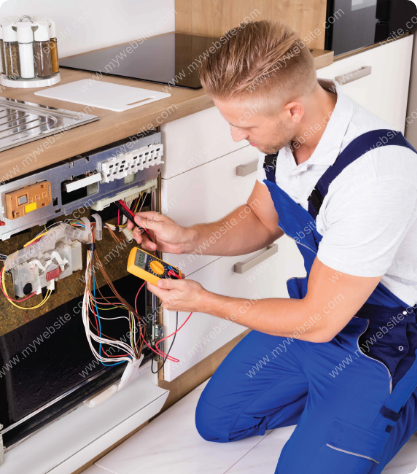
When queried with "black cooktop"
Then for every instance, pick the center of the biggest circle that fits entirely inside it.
(172, 59)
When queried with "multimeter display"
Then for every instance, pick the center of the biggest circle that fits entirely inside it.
(150, 268)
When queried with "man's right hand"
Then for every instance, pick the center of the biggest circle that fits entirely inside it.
(166, 234)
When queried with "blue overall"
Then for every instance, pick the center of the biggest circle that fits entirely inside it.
(353, 399)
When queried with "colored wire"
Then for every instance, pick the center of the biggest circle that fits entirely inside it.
(35, 239)
(173, 334)
(13, 302)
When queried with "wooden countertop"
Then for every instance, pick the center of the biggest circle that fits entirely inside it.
(111, 127)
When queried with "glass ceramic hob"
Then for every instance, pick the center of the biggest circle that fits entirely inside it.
(171, 58)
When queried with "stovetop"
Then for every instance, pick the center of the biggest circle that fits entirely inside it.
(172, 58)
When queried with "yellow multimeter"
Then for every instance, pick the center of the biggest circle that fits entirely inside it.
(146, 266)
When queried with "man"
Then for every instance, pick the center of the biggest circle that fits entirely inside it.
(342, 183)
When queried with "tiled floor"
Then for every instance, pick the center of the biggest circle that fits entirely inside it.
(171, 444)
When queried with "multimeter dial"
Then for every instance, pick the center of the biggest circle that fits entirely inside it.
(157, 267)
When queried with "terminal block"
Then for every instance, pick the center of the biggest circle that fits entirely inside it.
(54, 257)
(28, 199)
(126, 164)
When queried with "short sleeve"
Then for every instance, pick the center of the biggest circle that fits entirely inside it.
(365, 227)
(260, 171)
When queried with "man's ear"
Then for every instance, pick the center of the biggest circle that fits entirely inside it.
(295, 111)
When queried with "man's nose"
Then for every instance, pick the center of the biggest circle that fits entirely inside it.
(238, 135)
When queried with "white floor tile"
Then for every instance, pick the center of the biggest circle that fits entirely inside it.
(95, 470)
(405, 462)
(264, 456)
(171, 444)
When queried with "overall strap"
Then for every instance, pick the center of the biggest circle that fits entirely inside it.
(270, 164)
(356, 148)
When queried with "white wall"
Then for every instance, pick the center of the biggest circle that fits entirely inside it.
(85, 25)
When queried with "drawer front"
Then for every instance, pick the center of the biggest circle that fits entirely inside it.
(383, 87)
(194, 140)
(203, 334)
(207, 194)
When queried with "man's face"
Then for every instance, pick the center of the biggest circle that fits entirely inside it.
(268, 133)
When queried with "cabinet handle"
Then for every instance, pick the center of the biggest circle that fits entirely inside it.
(245, 170)
(242, 267)
(354, 75)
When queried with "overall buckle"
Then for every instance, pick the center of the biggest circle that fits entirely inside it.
(316, 199)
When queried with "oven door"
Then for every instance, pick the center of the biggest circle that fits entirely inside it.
(351, 25)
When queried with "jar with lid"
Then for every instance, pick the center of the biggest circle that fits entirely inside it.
(11, 50)
(25, 40)
(42, 49)
(53, 45)
(3, 65)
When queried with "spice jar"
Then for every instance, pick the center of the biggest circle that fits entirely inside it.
(26, 57)
(3, 65)
(53, 46)
(42, 49)
(11, 50)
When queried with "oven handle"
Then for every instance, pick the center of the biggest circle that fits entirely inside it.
(354, 75)
(242, 267)
(245, 170)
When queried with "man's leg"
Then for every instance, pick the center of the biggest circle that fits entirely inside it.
(260, 385)
(337, 432)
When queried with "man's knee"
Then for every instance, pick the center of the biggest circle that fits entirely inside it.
(212, 423)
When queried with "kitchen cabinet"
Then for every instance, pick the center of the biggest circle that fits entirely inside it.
(383, 90)
(195, 140)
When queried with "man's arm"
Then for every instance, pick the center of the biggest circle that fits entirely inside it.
(248, 228)
(332, 300)
(365, 227)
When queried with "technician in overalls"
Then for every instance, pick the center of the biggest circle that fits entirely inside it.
(342, 183)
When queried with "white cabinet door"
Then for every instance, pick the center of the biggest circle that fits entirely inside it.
(206, 194)
(194, 140)
(384, 91)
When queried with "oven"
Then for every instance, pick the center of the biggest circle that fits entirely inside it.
(354, 24)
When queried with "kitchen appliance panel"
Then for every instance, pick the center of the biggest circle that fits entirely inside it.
(172, 58)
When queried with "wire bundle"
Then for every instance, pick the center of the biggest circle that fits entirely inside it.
(94, 304)
(135, 206)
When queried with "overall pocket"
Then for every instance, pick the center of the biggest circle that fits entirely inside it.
(348, 449)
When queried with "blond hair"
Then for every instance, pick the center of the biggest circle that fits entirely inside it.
(263, 59)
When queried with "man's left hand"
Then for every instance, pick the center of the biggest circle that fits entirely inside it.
(180, 295)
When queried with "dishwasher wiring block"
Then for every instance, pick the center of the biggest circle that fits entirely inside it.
(91, 180)
(50, 259)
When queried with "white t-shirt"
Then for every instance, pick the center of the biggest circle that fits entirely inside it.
(368, 218)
